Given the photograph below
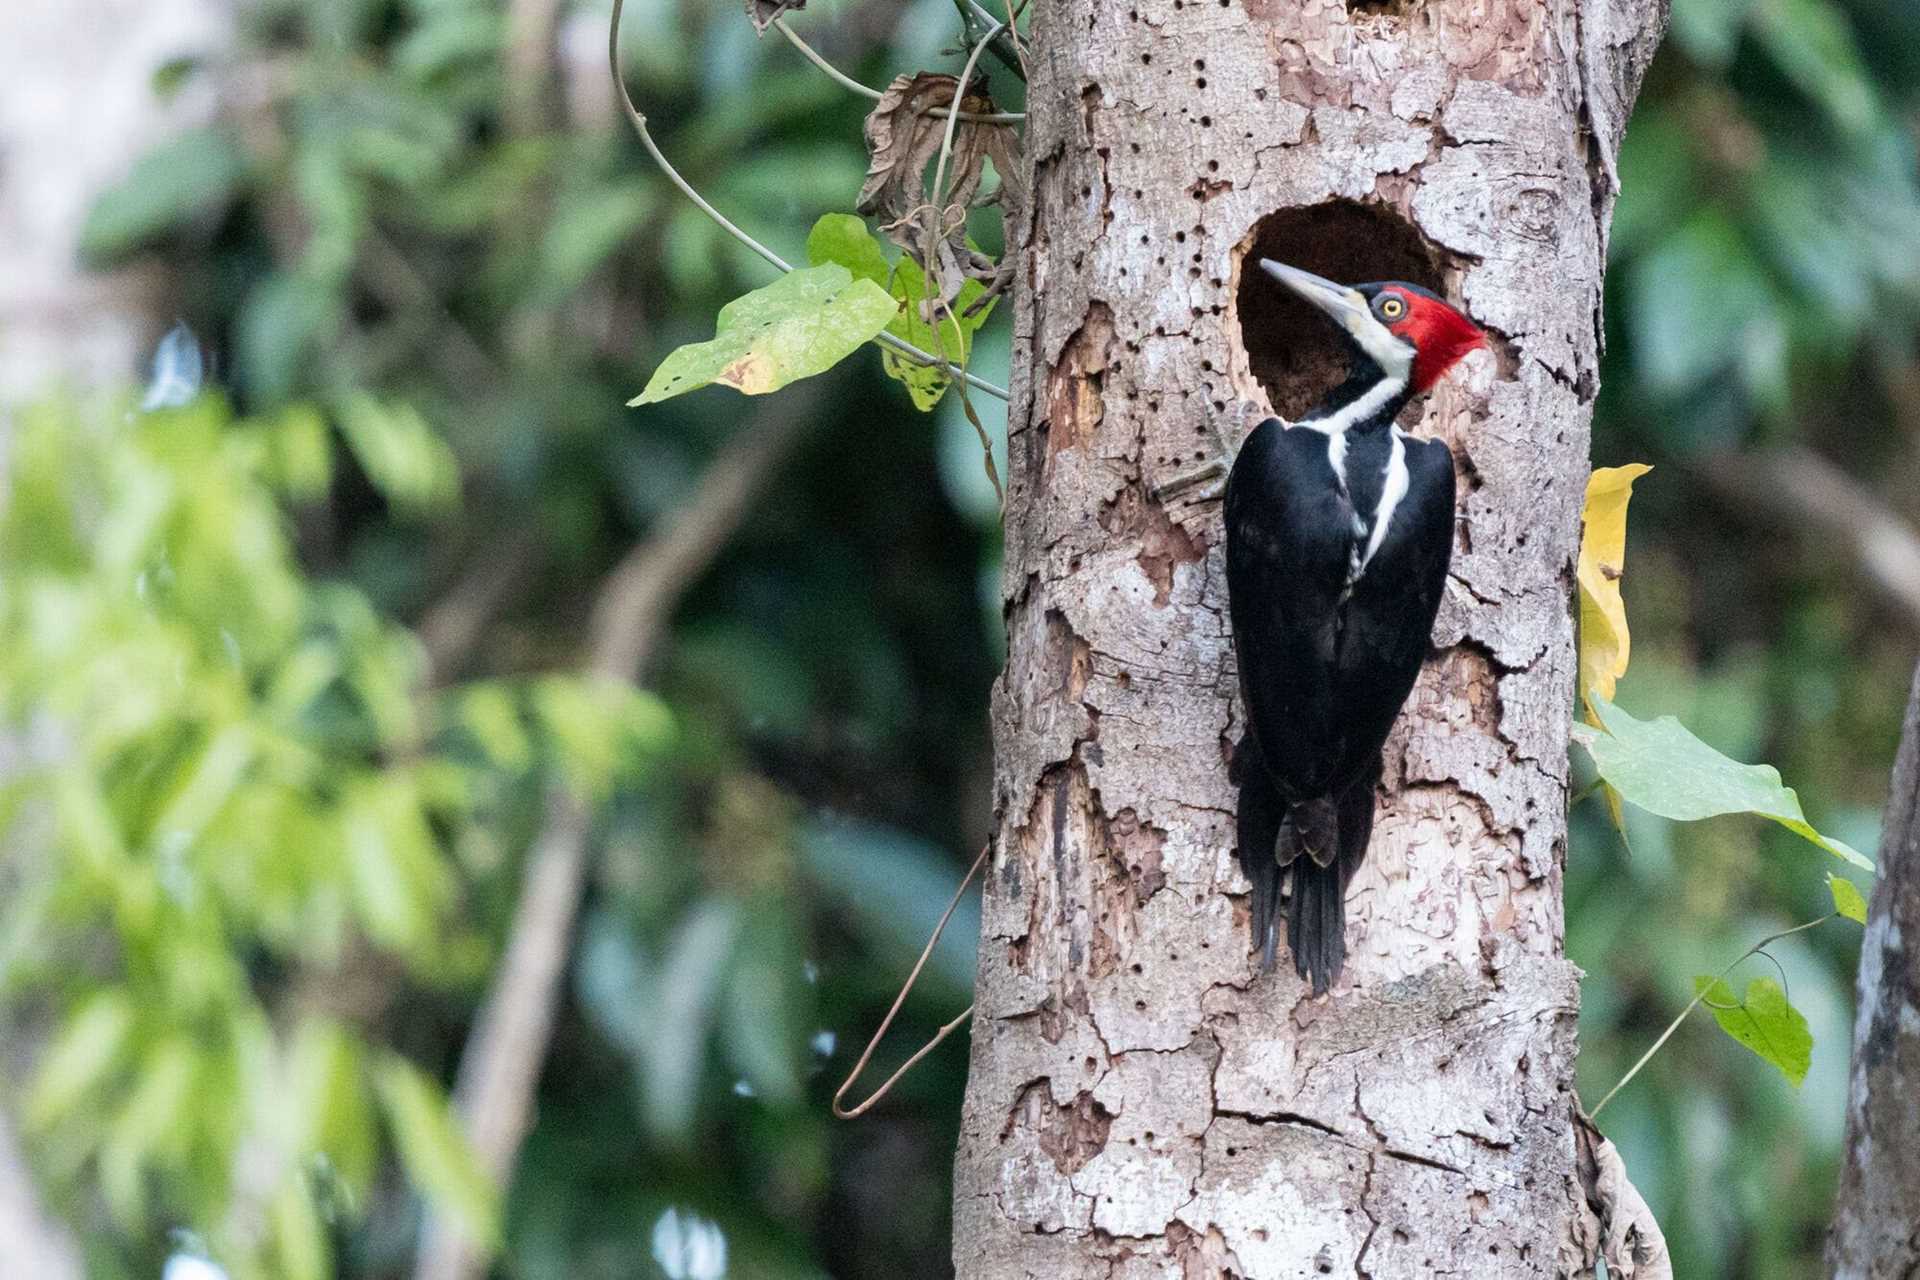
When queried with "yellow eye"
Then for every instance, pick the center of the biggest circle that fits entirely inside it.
(1392, 308)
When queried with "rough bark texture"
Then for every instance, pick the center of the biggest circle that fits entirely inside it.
(1876, 1225)
(1141, 1103)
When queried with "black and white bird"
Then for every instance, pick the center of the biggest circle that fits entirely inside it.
(1339, 530)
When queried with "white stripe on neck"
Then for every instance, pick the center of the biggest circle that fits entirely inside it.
(1392, 490)
(1376, 397)
(1335, 424)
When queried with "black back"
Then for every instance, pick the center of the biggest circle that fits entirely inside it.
(1324, 671)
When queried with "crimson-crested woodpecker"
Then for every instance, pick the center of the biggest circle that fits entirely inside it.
(1339, 531)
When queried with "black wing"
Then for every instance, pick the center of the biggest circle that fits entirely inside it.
(1289, 530)
(1388, 620)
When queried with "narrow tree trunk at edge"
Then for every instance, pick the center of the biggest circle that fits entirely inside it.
(1141, 1102)
(1876, 1225)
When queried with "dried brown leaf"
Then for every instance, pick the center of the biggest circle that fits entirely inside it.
(1617, 1226)
(904, 138)
(763, 12)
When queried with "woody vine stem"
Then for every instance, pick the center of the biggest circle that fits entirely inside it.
(1757, 949)
(639, 122)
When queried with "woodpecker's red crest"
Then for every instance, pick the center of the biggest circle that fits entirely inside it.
(1440, 335)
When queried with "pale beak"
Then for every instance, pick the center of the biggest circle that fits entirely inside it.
(1347, 306)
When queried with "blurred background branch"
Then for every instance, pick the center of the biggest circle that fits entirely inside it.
(530, 64)
(452, 627)
(1796, 494)
(504, 1052)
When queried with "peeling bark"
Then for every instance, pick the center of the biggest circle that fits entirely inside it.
(1142, 1102)
(1876, 1226)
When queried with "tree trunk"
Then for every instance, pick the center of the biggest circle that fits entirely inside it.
(1876, 1225)
(1141, 1102)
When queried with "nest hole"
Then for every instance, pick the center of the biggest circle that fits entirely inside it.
(1292, 350)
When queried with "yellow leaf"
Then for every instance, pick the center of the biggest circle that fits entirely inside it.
(1603, 550)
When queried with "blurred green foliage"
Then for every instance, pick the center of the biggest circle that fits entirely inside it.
(242, 786)
(1762, 248)
(429, 312)
(285, 846)
(1763, 291)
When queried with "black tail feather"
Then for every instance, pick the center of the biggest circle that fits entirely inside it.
(1317, 915)
(1317, 923)
(1323, 841)
(1260, 816)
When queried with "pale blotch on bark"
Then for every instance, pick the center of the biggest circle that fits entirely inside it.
(1141, 1102)
(1876, 1225)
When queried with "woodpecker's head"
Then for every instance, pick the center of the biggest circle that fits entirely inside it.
(1405, 331)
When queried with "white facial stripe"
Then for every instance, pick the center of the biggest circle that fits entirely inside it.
(1391, 492)
(1394, 357)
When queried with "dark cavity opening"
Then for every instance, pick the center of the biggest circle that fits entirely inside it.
(1292, 349)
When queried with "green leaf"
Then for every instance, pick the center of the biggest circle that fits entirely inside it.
(1846, 899)
(662, 1014)
(394, 868)
(690, 980)
(951, 337)
(93, 1042)
(762, 1016)
(599, 728)
(322, 1099)
(434, 1152)
(207, 785)
(409, 464)
(1662, 768)
(299, 461)
(1812, 43)
(1709, 30)
(158, 1112)
(448, 36)
(844, 239)
(1763, 1021)
(173, 75)
(286, 321)
(802, 324)
(587, 228)
(195, 171)
(489, 713)
(299, 1238)
(895, 885)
